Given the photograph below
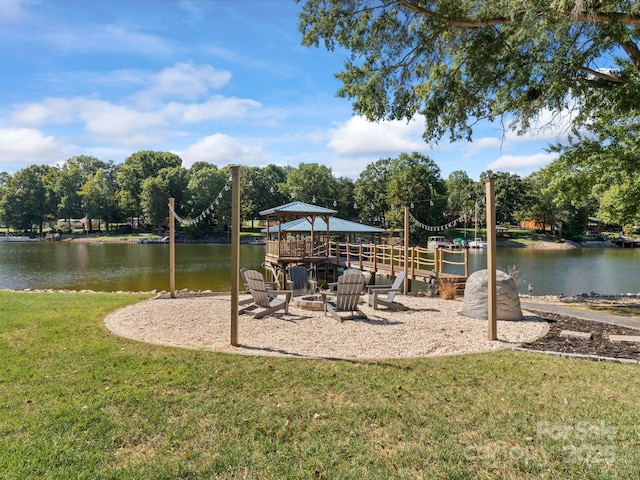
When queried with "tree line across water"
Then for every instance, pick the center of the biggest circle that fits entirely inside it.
(136, 192)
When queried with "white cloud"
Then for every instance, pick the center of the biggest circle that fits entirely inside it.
(221, 150)
(48, 111)
(184, 80)
(216, 107)
(549, 126)
(93, 38)
(359, 136)
(522, 163)
(125, 126)
(27, 146)
(475, 147)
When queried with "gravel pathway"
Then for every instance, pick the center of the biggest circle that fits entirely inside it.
(431, 327)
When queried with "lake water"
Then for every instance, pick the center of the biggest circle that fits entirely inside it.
(134, 267)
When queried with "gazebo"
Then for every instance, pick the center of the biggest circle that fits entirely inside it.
(302, 232)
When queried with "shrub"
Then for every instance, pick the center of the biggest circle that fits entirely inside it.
(447, 290)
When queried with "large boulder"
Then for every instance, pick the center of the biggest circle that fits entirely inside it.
(475, 303)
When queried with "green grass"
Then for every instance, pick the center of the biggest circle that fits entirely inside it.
(624, 310)
(77, 402)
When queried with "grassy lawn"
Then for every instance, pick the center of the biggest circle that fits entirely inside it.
(77, 402)
(629, 310)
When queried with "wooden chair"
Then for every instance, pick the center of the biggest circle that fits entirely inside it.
(300, 282)
(264, 298)
(245, 301)
(347, 296)
(333, 285)
(384, 295)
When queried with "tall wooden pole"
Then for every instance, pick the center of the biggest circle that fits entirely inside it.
(405, 286)
(172, 248)
(492, 307)
(235, 251)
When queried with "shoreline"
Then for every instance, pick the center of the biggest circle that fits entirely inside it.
(537, 244)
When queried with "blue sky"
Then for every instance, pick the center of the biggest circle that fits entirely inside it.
(222, 81)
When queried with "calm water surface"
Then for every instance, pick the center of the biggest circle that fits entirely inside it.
(113, 267)
(119, 266)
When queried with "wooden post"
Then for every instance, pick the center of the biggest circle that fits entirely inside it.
(172, 248)
(492, 307)
(405, 285)
(235, 251)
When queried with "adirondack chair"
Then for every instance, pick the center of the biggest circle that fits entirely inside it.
(384, 295)
(333, 285)
(346, 297)
(300, 282)
(245, 301)
(263, 298)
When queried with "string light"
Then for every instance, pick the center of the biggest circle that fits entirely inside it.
(438, 228)
(205, 212)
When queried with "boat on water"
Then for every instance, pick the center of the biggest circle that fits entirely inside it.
(437, 241)
(20, 238)
(477, 242)
(153, 240)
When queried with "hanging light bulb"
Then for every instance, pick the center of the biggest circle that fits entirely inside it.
(335, 204)
(251, 183)
(411, 204)
(431, 202)
(313, 199)
(355, 205)
(271, 190)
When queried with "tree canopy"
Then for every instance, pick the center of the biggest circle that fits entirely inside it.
(460, 61)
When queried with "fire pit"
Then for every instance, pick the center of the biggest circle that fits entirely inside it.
(310, 302)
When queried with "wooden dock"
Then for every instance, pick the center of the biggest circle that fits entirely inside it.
(421, 264)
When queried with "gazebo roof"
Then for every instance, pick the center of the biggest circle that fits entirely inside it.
(336, 225)
(297, 209)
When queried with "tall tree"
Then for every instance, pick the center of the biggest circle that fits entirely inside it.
(510, 193)
(137, 168)
(539, 202)
(154, 197)
(459, 61)
(99, 195)
(206, 188)
(29, 197)
(72, 175)
(463, 193)
(415, 182)
(370, 191)
(311, 182)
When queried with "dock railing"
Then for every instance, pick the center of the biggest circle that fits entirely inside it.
(390, 259)
(380, 258)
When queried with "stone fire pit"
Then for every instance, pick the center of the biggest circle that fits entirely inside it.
(310, 302)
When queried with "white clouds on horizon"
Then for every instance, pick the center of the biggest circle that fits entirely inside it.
(131, 124)
(359, 136)
(28, 146)
(183, 80)
(221, 150)
(522, 163)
